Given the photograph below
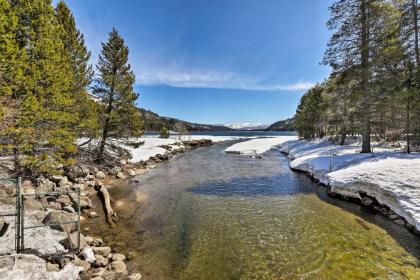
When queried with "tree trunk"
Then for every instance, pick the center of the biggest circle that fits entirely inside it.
(407, 126)
(343, 136)
(364, 50)
(416, 32)
(106, 125)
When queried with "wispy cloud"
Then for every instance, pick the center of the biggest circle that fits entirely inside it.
(213, 79)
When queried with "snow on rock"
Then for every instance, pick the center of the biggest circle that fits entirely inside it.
(391, 177)
(258, 146)
(28, 267)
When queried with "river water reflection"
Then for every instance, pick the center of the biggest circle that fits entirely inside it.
(211, 215)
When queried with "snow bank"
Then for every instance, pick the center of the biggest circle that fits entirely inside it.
(391, 177)
(258, 146)
(152, 145)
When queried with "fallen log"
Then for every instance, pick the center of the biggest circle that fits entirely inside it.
(111, 216)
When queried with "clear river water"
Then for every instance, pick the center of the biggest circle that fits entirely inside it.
(211, 215)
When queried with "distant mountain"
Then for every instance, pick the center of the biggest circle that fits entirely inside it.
(284, 125)
(154, 122)
(247, 126)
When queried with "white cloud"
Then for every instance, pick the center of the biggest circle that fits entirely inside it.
(211, 79)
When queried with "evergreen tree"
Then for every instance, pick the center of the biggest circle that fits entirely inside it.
(82, 72)
(44, 134)
(120, 118)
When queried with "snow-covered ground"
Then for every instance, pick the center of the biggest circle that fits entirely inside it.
(258, 146)
(152, 145)
(392, 177)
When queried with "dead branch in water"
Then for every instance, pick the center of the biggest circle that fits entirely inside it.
(111, 216)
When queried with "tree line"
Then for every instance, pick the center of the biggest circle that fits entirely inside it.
(49, 94)
(374, 87)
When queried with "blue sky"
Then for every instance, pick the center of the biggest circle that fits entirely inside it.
(215, 61)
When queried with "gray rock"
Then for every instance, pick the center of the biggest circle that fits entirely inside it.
(54, 205)
(56, 178)
(64, 184)
(69, 209)
(52, 267)
(118, 266)
(88, 254)
(28, 267)
(44, 185)
(103, 251)
(85, 202)
(89, 240)
(31, 203)
(100, 175)
(135, 276)
(97, 242)
(118, 257)
(99, 271)
(78, 171)
(120, 175)
(55, 218)
(113, 275)
(97, 278)
(81, 263)
(71, 241)
(100, 261)
(64, 200)
(131, 172)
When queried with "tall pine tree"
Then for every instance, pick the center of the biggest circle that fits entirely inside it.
(120, 118)
(82, 72)
(45, 120)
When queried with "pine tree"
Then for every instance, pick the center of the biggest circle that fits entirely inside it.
(114, 86)
(44, 123)
(82, 72)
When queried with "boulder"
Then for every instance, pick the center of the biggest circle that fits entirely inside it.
(54, 205)
(99, 271)
(69, 209)
(31, 203)
(55, 218)
(97, 242)
(44, 185)
(120, 175)
(118, 257)
(56, 178)
(88, 255)
(100, 175)
(71, 241)
(52, 267)
(84, 264)
(114, 170)
(103, 251)
(89, 240)
(118, 266)
(131, 172)
(78, 171)
(113, 275)
(85, 202)
(64, 200)
(100, 261)
(64, 184)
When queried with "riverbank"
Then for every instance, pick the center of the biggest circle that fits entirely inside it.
(89, 179)
(387, 181)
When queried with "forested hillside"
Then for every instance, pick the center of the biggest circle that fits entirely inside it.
(283, 125)
(154, 122)
(374, 88)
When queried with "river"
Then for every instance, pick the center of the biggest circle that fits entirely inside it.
(211, 215)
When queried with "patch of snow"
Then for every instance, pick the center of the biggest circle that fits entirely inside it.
(390, 176)
(258, 146)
